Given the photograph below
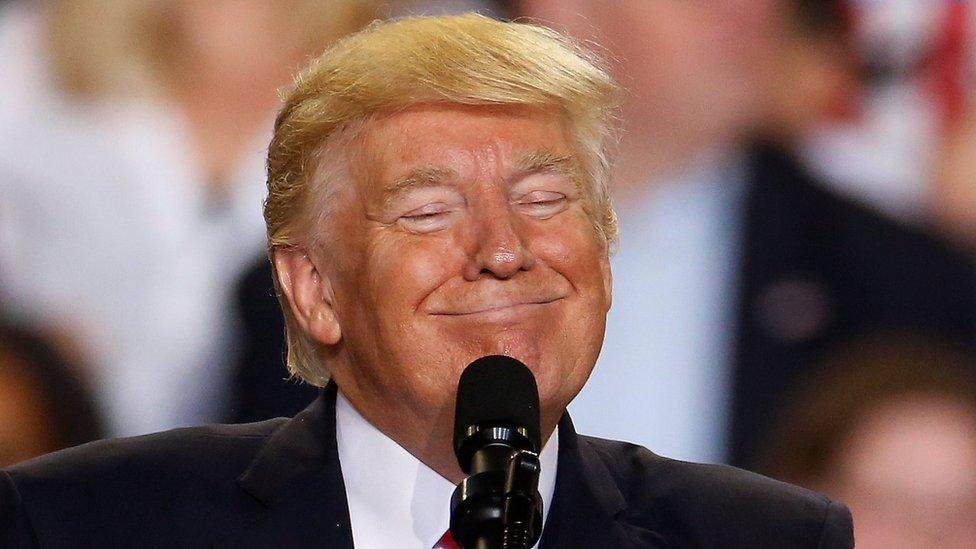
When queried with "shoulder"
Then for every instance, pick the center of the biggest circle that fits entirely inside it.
(184, 477)
(211, 451)
(877, 267)
(792, 198)
(703, 505)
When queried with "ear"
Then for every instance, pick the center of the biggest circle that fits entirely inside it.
(607, 280)
(309, 295)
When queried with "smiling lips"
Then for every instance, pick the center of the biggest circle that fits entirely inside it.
(496, 307)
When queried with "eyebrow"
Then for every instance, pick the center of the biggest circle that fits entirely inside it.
(437, 176)
(548, 162)
(417, 178)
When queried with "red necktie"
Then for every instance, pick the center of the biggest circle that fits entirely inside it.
(447, 542)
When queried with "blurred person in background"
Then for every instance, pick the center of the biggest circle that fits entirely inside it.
(737, 267)
(885, 147)
(131, 179)
(889, 424)
(397, 8)
(44, 403)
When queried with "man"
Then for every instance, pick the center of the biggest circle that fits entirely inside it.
(437, 192)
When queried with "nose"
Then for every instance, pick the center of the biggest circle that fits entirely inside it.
(499, 250)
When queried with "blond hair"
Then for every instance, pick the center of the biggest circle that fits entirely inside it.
(468, 60)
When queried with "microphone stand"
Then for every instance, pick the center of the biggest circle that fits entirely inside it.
(490, 510)
(522, 511)
(496, 441)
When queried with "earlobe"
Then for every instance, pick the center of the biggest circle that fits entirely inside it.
(309, 295)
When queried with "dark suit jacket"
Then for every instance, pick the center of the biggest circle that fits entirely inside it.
(278, 483)
(818, 270)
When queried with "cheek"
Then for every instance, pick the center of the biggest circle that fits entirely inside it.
(573, 251)
(404, 271)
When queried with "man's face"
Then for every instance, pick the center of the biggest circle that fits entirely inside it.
(464, 234)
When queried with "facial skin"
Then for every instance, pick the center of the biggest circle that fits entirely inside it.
(908, 474)
(463, 233)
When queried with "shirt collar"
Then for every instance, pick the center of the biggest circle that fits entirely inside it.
(394, 499)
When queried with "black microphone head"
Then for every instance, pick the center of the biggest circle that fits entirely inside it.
(496, 390)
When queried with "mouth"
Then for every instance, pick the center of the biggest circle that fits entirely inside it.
(499, 310)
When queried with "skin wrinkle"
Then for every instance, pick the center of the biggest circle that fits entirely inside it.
(346, 158)
(536, 162)
(419, 178)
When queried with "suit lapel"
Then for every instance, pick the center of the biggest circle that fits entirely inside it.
(297, 483)
(588, 509)
(295, 495)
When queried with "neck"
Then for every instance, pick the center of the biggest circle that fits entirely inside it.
(427, 432)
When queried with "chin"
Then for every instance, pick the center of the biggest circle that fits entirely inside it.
(558, 385)
(558, 373)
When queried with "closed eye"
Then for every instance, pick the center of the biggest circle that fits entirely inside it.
(428, 218)
(542, 204)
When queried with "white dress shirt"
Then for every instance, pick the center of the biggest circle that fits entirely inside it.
(394, 499)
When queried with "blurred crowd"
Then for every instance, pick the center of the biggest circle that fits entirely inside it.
(795, 285)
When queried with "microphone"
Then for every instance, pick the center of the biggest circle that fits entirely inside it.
(497, 443)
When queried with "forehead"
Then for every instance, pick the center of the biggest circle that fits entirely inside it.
(468, 141)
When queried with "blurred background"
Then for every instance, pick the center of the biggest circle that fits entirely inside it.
(795, 286)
